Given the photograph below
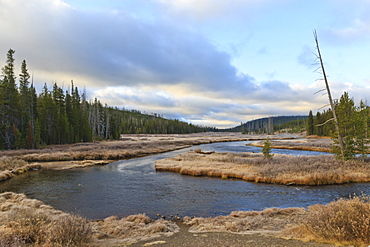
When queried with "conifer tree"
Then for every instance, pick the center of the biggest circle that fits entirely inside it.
(310, 124)
(266, 150)
(25, 101)
(346, 112)
(9, 103)
(361, 131)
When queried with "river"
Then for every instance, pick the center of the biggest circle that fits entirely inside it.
(133, 186)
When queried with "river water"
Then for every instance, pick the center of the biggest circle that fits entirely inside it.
(133, 186)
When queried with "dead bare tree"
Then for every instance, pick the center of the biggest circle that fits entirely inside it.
(336, 123)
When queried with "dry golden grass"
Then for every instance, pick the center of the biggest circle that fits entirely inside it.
(343, 222)
(10, 166)
(133, 228)
(282, 169)
(310, 144)
(130, 146)
(271, 220)
(29, 222)
(9, 163)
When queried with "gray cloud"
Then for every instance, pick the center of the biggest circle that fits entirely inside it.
(113, 49)
(118, 49)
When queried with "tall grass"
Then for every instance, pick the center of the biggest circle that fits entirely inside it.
(283, 169)
(268, 220)
(10, 166)
(344, 222)
(132, 226)
(130, 146)
(26, 227)
(29, 222)
(10, 163)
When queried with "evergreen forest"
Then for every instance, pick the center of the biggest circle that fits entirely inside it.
(269, 125)
(353, 123)
(57, 116)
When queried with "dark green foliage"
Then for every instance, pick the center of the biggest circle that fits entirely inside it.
(310, 124)
(59, 117)
(9, 104)
(266, 150)
(293, 126)
(271, 124)
(353, 125)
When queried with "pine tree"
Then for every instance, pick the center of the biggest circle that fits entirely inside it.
(318, 126)
(346, 112)
(25, 101)
(266, 150)
(310, 124)
(361, 130)
(9, 103)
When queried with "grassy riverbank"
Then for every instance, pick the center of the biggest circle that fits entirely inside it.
(282, 169)
(29, 222)
(129, 146)
(79, 155)
(311, 143)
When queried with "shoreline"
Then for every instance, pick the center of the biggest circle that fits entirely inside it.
(213, 231)
(81, 155)
(263, 227)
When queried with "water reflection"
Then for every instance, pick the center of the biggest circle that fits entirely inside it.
(132, 186)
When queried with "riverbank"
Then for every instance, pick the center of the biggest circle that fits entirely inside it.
(309, 143)
(80, 155)
(129, 146)
(282, 169)
(27, 221)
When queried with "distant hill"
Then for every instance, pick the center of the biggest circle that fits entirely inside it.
(272, 124)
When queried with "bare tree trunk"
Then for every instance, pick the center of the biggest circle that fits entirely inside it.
(340, 139)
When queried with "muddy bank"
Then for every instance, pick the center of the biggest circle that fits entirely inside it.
(282, 169)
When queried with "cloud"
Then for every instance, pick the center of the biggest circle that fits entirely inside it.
(208, 9)
(306, 57)
(114, 48)
(355, 32)
(149, 64)
(352, 22)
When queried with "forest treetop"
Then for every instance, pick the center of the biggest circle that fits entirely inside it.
(57, 116)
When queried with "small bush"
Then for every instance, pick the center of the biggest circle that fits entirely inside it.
(69, 230)
(27, 227)
(346, 221)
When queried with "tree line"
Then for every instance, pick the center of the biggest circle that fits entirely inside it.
(353, 123)
(269, 125)
(58, 116)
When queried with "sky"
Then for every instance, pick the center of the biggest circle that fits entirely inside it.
(208, 62)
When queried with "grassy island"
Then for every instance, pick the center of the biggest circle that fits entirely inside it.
(282, 169)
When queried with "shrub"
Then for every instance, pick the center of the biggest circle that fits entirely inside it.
(28, 227)
(346, 221)
(69, 230)
(24, 227)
